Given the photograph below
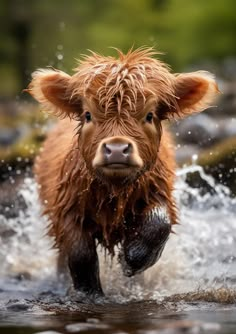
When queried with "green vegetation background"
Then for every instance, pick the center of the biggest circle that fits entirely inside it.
(39, 33)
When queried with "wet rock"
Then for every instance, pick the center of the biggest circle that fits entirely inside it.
(200, 130)
(6, 232)
(229, 259)
(22, 276)
(85, 326)
(11, 203)
(228, 128)
(17, 306)
(8, 136)
(220, 162)
(227, 101)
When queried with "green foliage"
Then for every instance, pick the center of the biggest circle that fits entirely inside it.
(41, 33)
(34, 122)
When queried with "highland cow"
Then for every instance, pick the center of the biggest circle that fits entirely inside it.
(106, 172)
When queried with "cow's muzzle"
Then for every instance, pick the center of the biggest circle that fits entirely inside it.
(117, 153)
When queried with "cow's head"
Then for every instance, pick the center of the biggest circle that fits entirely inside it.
(120, 105)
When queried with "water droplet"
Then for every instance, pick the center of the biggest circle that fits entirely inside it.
(59, 56)
(62, 26)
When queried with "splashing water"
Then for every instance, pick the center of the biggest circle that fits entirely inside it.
(27, 248)
(200, 255)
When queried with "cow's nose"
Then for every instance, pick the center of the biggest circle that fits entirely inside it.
(117, 153)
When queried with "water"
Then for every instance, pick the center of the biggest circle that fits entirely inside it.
(191, 289)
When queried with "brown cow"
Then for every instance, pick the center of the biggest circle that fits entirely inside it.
(106, 171)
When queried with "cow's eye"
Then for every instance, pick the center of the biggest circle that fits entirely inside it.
(88, 117)
(149, 117)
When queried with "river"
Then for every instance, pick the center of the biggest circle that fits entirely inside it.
(190, 290)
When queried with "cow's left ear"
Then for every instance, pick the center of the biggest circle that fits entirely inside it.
(193, 92)
(53, 90)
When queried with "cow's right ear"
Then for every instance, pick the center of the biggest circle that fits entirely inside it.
(52, 89)
(193, 92)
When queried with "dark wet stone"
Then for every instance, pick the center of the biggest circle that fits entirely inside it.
(229, 259)
(22, 276)
(227, 101)
(219, 161)
(200, 130)
(11, 202)
(6, 233)
(84, 326)
(17, 306)
(228, 128)
(8, 136)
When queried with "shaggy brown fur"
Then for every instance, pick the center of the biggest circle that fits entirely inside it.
(118, 93)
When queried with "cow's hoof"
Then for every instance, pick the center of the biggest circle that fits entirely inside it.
(135, 259)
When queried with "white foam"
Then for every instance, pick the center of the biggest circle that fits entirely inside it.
(200, 255)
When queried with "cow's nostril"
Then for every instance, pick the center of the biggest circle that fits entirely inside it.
(106, 149)
(127, 149)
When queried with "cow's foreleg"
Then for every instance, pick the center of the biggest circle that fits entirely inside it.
(84, 267)
(144, 241)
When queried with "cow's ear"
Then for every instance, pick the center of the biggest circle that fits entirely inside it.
(52, 89)
(193, 92)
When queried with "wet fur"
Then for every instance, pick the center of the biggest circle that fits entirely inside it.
(84, 204)
(58, 169)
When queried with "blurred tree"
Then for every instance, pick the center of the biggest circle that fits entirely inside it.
(19, 27)
(54, 33)
(200, 30)
(16, 16)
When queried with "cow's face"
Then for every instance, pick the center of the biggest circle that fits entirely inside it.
(119, 105)
(119, 145)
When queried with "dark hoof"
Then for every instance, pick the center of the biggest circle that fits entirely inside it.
(143, 249)
(136, 259)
